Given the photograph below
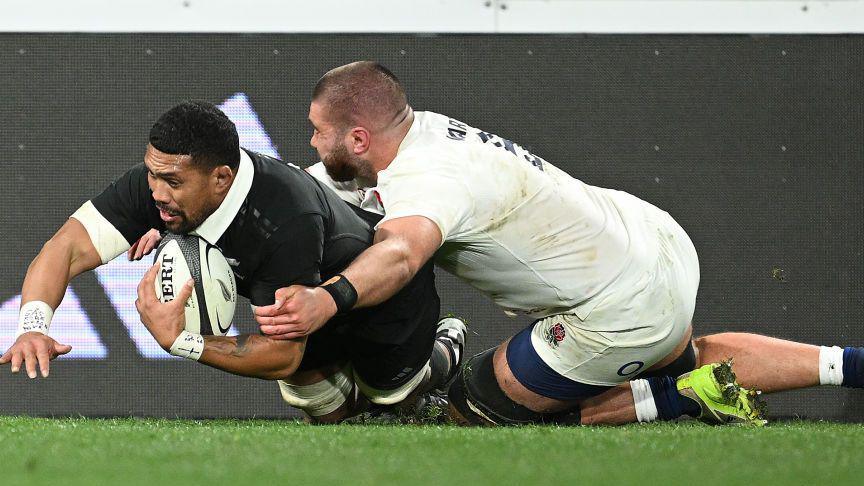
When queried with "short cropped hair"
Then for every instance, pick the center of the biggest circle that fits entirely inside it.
(199, 129)
(360, 93)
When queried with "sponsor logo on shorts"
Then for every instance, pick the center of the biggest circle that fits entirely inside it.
(630, 368)
(555, 335)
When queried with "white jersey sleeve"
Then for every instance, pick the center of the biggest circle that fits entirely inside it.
(107, 240)
(415, 190)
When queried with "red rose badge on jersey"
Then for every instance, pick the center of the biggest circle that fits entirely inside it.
(555, 335)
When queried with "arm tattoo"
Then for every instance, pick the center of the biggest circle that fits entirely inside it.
(253, 355)
(243, 346)
(235, 346)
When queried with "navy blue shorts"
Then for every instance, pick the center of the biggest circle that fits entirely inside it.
(534, 374)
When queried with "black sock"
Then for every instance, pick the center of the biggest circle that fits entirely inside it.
(671, 404)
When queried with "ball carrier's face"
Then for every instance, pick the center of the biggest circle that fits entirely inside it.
(185, 193)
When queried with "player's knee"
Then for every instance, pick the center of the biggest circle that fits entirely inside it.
(477, 399)
(384, 394)
(319, 400)
(713, 347)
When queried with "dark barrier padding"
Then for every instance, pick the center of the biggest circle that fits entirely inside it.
(755, 144)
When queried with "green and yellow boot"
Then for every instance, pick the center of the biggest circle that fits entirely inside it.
(721, 399)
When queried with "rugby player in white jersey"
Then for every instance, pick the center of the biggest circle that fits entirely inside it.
(611, 279)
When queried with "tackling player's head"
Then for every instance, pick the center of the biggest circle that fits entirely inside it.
(192, 157)
(352, 105)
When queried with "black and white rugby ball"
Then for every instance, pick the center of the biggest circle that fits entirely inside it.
(210, 309)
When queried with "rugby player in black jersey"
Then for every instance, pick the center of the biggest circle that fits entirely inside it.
(278, 227)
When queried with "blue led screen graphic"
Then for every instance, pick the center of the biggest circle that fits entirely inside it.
(119, 278)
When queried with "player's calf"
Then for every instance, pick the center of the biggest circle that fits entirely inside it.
(774, 365)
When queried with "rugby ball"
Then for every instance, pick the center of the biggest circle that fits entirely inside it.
(210, 309)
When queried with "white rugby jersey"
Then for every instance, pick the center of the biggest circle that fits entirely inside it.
(526, 234)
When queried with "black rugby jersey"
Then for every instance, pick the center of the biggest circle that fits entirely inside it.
(287, 230)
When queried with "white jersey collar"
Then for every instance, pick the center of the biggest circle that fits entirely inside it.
(412, 134)
(215, 225)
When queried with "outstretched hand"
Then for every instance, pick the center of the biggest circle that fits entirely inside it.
(33, 349)
(298, 312)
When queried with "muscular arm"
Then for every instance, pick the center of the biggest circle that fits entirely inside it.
(246, 355)
(252, 355)
(401, 247)
(67, 254)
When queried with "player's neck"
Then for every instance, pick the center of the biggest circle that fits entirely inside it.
(392, 140)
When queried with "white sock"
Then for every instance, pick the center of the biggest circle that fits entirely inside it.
(646, 410)
(830, 365)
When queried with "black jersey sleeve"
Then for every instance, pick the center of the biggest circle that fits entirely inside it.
(128, 205)
(295, 261)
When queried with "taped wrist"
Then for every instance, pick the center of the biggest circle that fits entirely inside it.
(343, 293)
(34, 316)
(188, 345)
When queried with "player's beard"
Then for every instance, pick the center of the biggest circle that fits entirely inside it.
(343, 166)
(187, 222)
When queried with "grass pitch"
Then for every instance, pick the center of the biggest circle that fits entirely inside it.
(133, 451)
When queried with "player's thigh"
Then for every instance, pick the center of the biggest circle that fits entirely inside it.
(388, 372)
(524, 376)
(553, 364)
(592, 357)
(485, 391)
(390, 352)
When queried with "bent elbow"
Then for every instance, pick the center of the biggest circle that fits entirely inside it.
(405, 271)
(407, 265)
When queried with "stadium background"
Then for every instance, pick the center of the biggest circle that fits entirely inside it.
(755, 144)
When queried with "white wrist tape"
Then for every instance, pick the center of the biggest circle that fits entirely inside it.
(188, 345)
(35, 316)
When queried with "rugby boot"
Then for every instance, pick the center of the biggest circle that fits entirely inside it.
(431, 408)
(720, 398)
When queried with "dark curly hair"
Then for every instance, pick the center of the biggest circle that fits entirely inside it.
(199, 129)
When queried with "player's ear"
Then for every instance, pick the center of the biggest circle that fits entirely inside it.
(359, 139)
(223, 176)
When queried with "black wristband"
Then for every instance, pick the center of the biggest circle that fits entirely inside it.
(343, 293)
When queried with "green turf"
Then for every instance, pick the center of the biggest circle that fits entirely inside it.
(131, 451)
